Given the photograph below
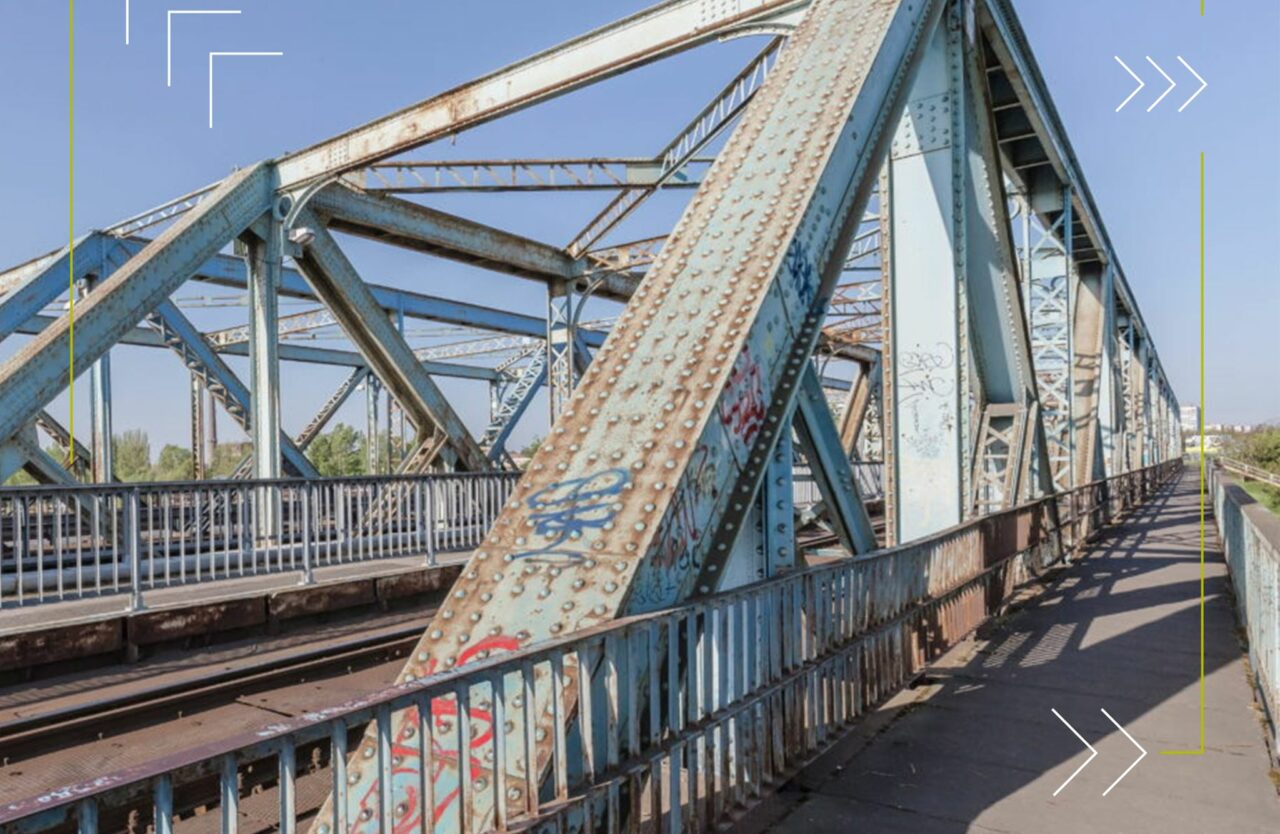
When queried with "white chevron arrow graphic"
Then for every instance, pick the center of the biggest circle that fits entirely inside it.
(1172, 84)
(1203, 84)
(1141, 84)
(1142, 754)
(1092, 753)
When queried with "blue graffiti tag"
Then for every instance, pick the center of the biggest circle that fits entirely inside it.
(802, 273)
(565, 510)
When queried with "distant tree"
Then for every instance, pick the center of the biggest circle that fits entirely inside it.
(132, 455)
(20, 478)
(338, 453)
(1260, 447)
(174, 464)
(226, 457)
(531, 447)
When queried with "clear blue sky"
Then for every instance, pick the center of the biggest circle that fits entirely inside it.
(139, 143)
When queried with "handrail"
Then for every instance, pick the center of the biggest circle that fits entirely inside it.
(707, 687)
(1250, 471)
(70, 542)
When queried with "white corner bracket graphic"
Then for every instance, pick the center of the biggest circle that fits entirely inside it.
(1142, 754)
(1092, 753)
(213, 55)
(168, 36)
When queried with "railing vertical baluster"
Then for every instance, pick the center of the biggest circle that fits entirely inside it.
(308, 556)
(462, 695)
(229, 790)
(386, 769)
(499, 734)
(162, 804)
(87, 816)
(134, 535)
(287, 788)
(338, 782)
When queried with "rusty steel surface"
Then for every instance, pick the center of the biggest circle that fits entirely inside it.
(634, 500)
(74, 726)
(777, 670)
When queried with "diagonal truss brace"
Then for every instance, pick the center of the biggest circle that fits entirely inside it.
(39, 371)
(514, 405)
(828, 459)
(391, 359)
(222, 383)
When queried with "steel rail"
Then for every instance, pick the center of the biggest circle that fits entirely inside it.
(43, 728)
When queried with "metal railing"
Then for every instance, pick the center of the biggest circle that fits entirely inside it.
(665, 722)
(59, 543)
(868, 475)
(1249, 471)
(1250, 537)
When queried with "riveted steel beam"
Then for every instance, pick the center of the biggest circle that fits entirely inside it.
(654, 33)
(339, 287)
(505, 175)
(30, 288)
(637, 496)
(229, 271)
(403, 223)
(39, 371)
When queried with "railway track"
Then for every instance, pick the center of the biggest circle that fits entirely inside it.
(68, 725)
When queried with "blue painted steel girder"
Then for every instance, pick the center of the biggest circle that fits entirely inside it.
(40, 370)
(635, 499)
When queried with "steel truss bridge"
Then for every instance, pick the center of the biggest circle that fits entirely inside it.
(886, 188)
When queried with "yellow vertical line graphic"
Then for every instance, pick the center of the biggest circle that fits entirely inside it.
(1202, 479)
(71, 229)
(1201, 494)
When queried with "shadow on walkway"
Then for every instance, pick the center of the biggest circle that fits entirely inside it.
(976, 746)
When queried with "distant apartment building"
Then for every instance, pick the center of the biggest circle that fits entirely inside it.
(1189, 417)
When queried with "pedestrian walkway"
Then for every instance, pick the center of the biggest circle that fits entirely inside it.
(976, 747)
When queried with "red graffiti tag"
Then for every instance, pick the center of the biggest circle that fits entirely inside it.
(743, 411)
(406, 760)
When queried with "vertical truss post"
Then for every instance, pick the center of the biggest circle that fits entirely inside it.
(777, 500)
(1049, 296)
(1110, 413)
(211, 429)
(265, 261)
(372, 390)
(1129, 399)
(561, 339)
(927, 399)
(100, 414)
(1088, 379)
(198, 463)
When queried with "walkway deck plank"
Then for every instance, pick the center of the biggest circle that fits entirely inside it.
(976, 747)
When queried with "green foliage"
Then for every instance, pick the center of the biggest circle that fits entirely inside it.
(174, 464)
(226, 457)
(132, 455)
(20, 478)
(531, 447)
(337, 453)
(1260, 447)
(1265, 494)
